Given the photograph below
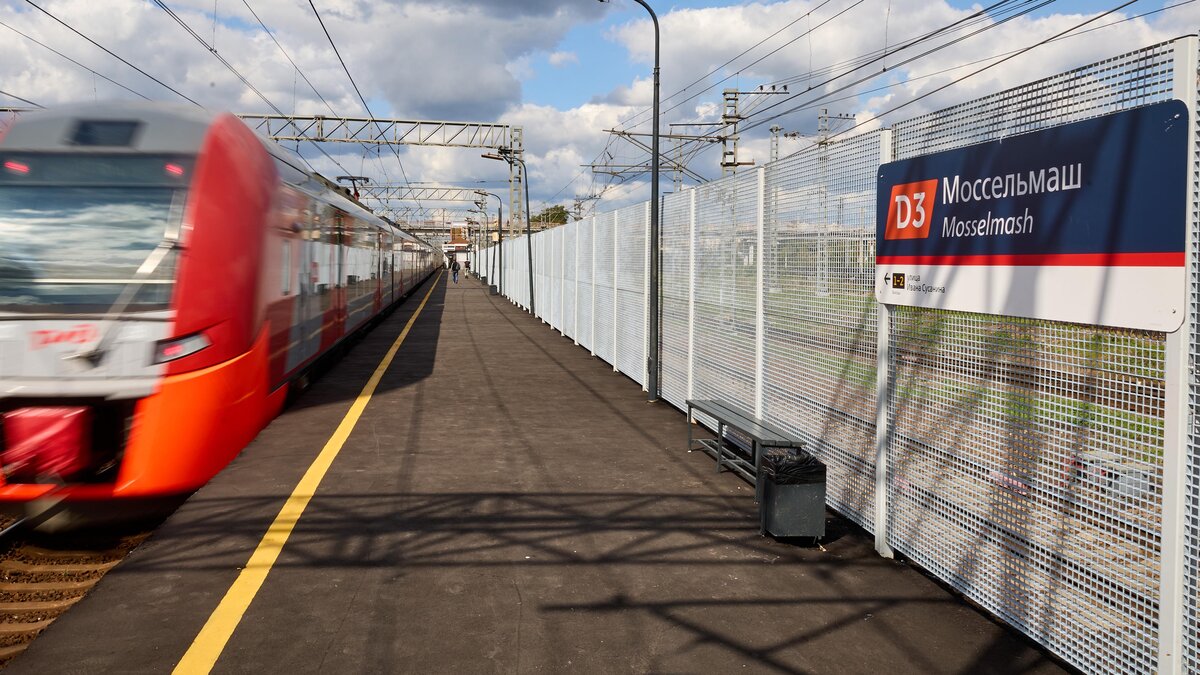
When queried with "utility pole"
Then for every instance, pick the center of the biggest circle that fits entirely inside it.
(729, 146)
(730, 118)
(775, 129)
(677, 174)
(579, 202)
(823, 163)
(823, 124)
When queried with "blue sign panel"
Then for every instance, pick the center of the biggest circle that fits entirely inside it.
(1009, 226)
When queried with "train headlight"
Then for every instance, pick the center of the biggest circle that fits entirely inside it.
(170, 350)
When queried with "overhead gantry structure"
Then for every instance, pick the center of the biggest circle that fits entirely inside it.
(380, 131)
(389, 193)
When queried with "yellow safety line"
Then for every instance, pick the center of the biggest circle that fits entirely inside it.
(202, 655)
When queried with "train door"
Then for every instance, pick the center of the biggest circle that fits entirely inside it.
(309, 277)
(395, 280)
(380, 280)
(340, 238)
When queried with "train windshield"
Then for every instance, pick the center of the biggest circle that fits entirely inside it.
(77, 232)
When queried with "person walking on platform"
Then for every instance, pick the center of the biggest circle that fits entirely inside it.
(454, 267)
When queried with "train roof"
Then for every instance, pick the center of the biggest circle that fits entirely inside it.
(110, 127)
(157, 128)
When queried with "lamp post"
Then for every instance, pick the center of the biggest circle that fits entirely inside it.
(652, 340)
(506, 154)
(499, 240)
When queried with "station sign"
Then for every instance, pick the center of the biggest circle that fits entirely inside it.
(1084, 223)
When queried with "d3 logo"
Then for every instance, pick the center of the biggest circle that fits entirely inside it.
(910, 210)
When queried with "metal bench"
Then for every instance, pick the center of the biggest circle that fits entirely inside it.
(762, 436)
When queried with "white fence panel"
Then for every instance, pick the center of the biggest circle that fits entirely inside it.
(604, 305)
(676, 247)
(583, 331)
(724, 324)
(631, 291)
(568, 267)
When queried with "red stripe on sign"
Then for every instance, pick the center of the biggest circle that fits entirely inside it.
(1042, 260)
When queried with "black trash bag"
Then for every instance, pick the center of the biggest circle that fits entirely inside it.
(794, 467)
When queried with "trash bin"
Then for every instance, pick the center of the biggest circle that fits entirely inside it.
(793, 494)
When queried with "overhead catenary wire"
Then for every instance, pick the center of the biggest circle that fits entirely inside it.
(993, 12)
(359, 92)
(633, 119)
(630, 121)
(774, 51)
(225, 62)
(857, 63)
(1031, 47)
(22, 100)
(283, 51)
(995, 59)
(943, 71)
(307, 81)
(1028, 6)
(81, 65)
(969, 20)
(114, 55)
(1025, 7)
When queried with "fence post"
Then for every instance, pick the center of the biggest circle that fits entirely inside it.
(616, 297)
(691, 337)
(577, 225)
(759, 320)
(562, 273)
(646, 304)
(592, 348)
(883, 394)
(1177, 422)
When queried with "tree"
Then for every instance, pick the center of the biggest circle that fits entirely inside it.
(553, 215)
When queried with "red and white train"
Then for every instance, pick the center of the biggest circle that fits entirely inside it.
(165, 276)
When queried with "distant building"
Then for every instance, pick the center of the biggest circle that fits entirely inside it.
(459, 245)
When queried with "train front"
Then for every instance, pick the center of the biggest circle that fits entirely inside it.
(96, 213)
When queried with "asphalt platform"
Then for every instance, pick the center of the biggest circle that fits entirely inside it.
(509, 504)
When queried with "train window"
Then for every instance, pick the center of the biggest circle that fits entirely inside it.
(75, 229)
(106, 133)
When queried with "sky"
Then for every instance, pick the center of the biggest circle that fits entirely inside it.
(564, 70)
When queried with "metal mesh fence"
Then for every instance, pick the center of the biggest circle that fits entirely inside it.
(570, 262)
(1191, 588)
(631, 291)
(1031, 451)
(554, 238)
(1025, 458)
(676, 293)
(583, 230)
(820, 312)
(543, 287)
(726, 277)
(604, 307)
(549, 259)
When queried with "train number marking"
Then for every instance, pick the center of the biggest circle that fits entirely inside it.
(77, 335)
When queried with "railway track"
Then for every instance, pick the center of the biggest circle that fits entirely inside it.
(43, 576)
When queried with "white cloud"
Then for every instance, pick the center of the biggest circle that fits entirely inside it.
(466, 59)
(561, 59)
